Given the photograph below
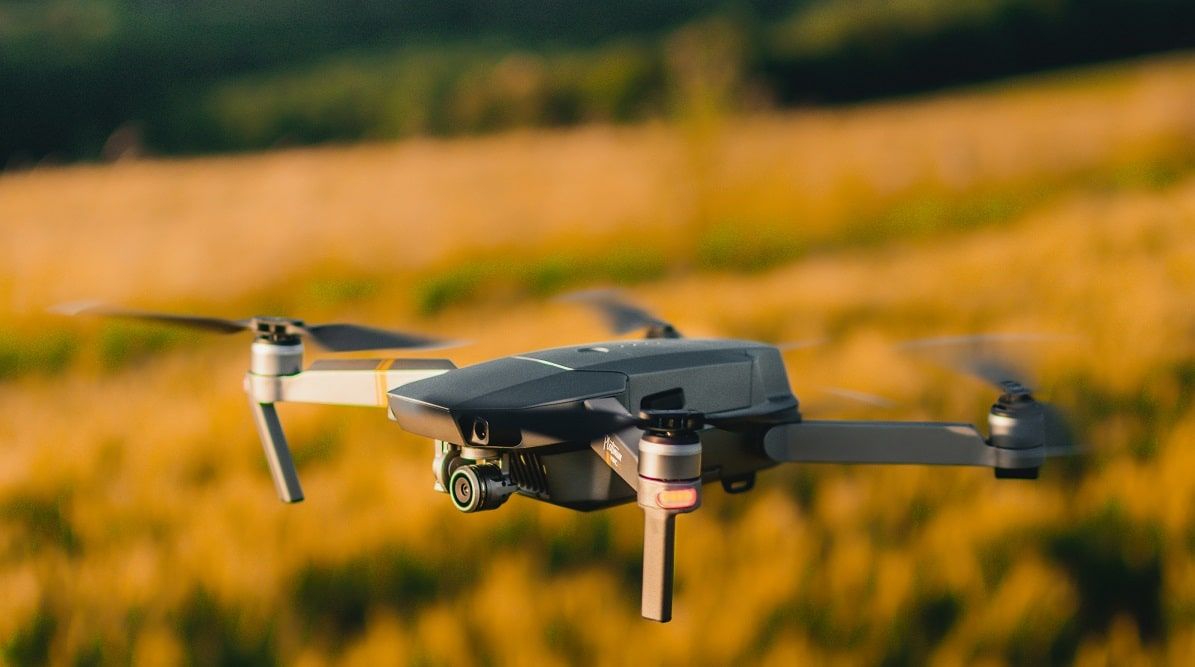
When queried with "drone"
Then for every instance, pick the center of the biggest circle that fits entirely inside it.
(586, 427)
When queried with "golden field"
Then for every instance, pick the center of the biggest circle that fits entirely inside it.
(138, 523)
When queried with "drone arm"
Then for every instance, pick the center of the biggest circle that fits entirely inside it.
(334, 382)
(362, 382)
(918, 443)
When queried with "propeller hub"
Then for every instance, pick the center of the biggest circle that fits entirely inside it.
(1016, 397)
(671, 422)
(277, 330)
(662, 330)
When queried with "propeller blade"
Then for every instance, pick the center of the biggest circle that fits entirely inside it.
(354, 338)
(622, 316)
(333, 337)
(1059, 434)
(989, 357)
(858, 396)
(984, 356)
(213, 324)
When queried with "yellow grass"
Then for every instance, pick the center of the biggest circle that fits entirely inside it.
(137, 521)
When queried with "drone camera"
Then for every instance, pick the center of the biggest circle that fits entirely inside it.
(479, 487)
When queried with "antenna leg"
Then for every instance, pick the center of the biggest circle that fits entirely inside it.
(273, 441)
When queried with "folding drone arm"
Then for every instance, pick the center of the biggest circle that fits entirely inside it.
(275, 377)
(362, 382)
(895, 442)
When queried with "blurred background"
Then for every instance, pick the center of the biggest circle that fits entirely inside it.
(859, 171)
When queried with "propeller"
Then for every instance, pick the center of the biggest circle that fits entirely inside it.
(873, 400)
(621, 315)
(987, 358)
(984, 356)
(333, 337)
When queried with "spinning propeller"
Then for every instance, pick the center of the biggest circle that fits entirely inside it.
(277, 353)
(332, 337)
(991, 358)
(621, 315)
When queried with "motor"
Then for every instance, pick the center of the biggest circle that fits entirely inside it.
(1016, 423)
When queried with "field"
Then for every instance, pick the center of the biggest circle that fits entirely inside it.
(138, 522)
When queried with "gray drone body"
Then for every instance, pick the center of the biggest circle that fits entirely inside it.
(725, 380)
(591, 426)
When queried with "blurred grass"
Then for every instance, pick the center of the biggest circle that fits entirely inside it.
(520, 274)
(27, 352)
(749, 246)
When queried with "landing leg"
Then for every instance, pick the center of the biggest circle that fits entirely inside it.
(273, 441)
(659, 541)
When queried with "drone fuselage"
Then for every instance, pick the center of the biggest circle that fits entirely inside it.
(725, 379)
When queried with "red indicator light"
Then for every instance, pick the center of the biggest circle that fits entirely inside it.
(677, 499)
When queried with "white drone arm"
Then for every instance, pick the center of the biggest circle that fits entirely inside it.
(274, 378)
(362, 382)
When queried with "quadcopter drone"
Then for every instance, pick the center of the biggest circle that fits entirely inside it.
(591, 426)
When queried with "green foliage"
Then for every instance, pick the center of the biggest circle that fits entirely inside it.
(44, 352)
(549, 274)
(585, 540)
(450, 286)
(746, 248)
(444, 90)
(568, 642)
(223, 75)
(1116, 565)
(335, 599)
(923, 217)
(122, 344)
(215, 635)
(30, 645)
(41, 521)
(336, 291)
(855, 49)
(928, 619)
